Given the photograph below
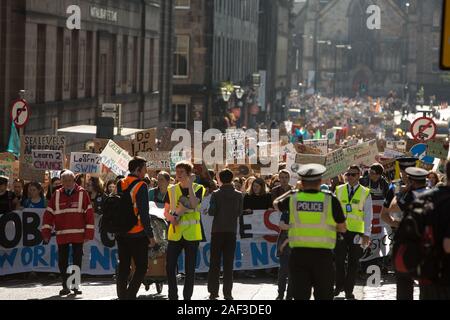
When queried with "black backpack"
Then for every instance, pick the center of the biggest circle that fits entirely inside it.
(415, 251)
(118, 213)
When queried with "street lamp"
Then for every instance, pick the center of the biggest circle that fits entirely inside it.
(338, 46)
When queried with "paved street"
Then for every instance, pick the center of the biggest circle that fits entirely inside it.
(104, 289)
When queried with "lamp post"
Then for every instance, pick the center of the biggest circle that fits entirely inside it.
(338, 46)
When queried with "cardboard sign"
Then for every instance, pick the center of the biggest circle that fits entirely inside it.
(438, 149)
(399, 146)
(9, 167)
(116, 158)
(144, 141)
(157, 160)
(47, 160)
(30, 143)
(336, 164)
(310, 158)
(364, 154)
(321, 145)
(85, 163)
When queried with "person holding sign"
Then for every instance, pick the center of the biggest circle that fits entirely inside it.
(315, 217)
(182, 210)
(70, 213)
(356, 203)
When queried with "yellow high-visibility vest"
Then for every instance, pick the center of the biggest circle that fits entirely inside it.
(189, 226)
(355, 218)
(311, 222)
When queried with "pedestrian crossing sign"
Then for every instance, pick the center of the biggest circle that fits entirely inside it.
(445, 48)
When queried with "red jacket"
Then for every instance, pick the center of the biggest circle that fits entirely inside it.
(72, 217)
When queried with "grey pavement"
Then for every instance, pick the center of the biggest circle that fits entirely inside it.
(104, 289)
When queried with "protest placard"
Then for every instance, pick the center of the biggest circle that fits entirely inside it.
(47, 160)
(157, 160)
(321, 144)
(438, 149)
(9, 167)
(336, 164)
(399, 146)
(100, 144)
(145, 141)
(310, 158)
(115, 158)
(85, 163)
(30, 143)
(364, 154)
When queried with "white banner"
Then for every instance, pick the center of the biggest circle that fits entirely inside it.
(21, 248)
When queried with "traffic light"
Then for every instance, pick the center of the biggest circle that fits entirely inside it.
(445, 48)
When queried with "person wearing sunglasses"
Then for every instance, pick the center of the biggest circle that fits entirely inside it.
(356, 203)
(315, 218)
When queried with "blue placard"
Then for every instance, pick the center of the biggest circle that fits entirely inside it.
(420, 151)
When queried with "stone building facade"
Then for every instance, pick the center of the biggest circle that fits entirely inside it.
(118, 56)
(403, 53)
(216, 41)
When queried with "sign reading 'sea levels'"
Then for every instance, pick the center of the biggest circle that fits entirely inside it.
(104, 14)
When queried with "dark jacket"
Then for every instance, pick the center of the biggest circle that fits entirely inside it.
(258, 202)
(226, 207)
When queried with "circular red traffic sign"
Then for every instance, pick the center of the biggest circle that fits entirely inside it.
(20, 113)
(423, 129)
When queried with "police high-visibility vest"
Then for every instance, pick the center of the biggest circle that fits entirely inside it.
(355, 217)
(125, 184)
(311, 222)
(189, 226)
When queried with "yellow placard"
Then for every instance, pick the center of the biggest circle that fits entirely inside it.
(445, 51)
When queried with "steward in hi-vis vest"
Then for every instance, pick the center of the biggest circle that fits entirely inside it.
(356, 203)
(182, 210)
(315, 217)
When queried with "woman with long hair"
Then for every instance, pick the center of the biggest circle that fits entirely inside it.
(35, 196)
(55, 184)
(110, 188)
(94, 187)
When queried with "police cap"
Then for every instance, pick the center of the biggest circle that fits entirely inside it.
(311, 172)
(407, 162)
(416, 174)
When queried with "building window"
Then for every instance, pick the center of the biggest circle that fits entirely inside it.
(40, 63)
(124, 63)
(89, 57)
(182, 4)
(151, 86)
(135, 64)
(180, 116)
(181, 56)
(74, 71)
(59, 64)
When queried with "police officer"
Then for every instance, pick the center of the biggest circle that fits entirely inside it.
(438, 200)
(356, 203)
(416, 184)
(315, 217)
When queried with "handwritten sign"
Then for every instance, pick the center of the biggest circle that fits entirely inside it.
(115, 158)
(157, 160)
(145, 141)
(438, 149)
(85, 163)
(48, 160)
(321, 145)
(27, 145)
(336, 164)
(100, 144)
(364, 154)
